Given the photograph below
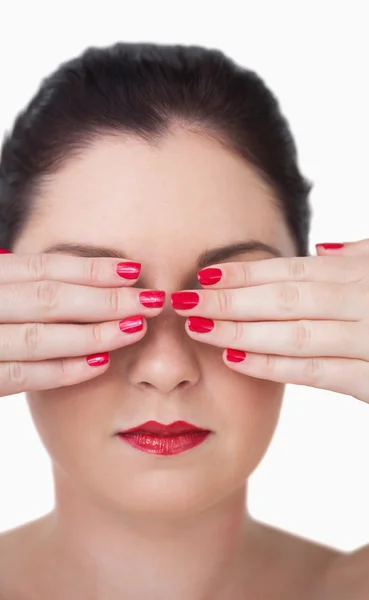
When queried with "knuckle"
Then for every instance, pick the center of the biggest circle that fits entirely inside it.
(114, 301)
(224, 301)
(16, 374)
(97, 333)
(288, 297)
(94, 269)
(6, 341)
(271, 360)
(297, 268)
(313, 371)
(238, 331)
(32, 337)
(65, 374)
(48, 293)
(302, 337)
(245, 271)
(38, 266)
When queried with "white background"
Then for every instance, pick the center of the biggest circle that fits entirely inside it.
(314, 56)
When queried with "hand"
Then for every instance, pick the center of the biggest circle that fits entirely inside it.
(292, 320)
(42, 296)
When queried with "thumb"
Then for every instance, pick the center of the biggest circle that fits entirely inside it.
(358, 248)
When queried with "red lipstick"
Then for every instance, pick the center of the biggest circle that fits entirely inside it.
(157, 438)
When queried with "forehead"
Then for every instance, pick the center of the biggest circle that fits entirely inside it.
(187, 191)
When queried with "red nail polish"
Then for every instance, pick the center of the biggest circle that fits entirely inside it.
(200, 325)
(128, 270)
(333, 246)
(131, 325)
(152, 299)
(97, 360)
(185, 300)
(209, 276)
(235, 355)
(5, 251)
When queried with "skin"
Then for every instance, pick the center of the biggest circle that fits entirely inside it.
(119, 512)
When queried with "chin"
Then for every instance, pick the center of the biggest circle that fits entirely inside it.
(163, 494)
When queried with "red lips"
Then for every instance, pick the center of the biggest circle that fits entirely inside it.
(176, 428)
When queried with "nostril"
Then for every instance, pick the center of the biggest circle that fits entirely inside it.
(145, 384)
(183, 384)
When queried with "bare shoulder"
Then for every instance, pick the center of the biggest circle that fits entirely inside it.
(290, 546)
(13, 540)
(324, 572)
(296, 565)
(18, 551)
(347, 578)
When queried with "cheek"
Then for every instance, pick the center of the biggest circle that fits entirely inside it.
(68, 423)
(258, 407)
(250, 410)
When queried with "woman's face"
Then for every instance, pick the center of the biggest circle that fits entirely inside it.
(161, 206)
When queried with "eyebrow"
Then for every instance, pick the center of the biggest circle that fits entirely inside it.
(206, 258)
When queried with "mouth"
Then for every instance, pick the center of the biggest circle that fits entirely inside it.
(157, 438)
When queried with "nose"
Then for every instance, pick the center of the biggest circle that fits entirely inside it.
(166, 358)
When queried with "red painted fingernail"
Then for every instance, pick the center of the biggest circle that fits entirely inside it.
(185, 300)
(235, 355)
(97, 360)
(200, 325)
(131, 325)
(334, 246)
(209, 276)
(5, 251)
(128, 270)
(152, 299)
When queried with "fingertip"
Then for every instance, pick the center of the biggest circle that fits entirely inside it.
(98, 360)
(209, 276)
(128, 270)
(234, 356)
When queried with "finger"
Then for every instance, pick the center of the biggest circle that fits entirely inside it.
(356, 248)
(40, 341)
(291, 338)
(277, 301)
(341, 375)
(345, 269)
(55, 301)
(97, 272)
(20, 377)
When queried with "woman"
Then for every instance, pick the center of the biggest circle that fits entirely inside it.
(176, 164)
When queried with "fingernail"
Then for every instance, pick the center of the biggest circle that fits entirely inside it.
(185, 300)
(235, 355)
(131, 325)
(209, 276)
(200, 325)
(97, 360)
(331, 246)
(152, 299)
(128, 270)
(5, 251)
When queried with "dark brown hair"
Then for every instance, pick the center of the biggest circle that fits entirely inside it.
(142, 89)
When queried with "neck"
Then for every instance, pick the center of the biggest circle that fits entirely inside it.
(115, 555)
